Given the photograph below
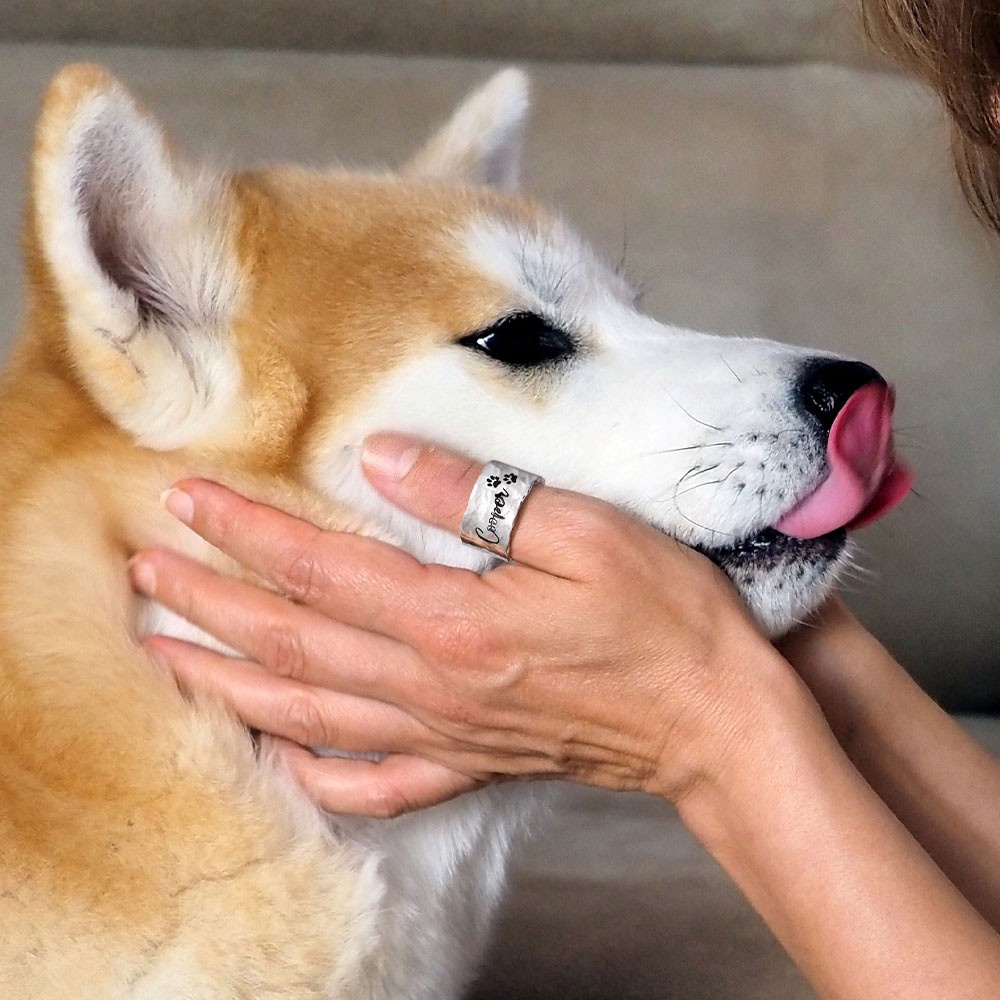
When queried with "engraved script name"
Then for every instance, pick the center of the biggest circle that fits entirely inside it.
(490, 534)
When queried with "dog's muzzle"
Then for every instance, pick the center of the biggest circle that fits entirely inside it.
(494, 505)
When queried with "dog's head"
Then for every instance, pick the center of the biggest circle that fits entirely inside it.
(277, 316)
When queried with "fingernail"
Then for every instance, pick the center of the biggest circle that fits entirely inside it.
(143, 576)
(178, 503)
(391, 455)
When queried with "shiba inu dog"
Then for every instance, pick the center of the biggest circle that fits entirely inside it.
(253, 327)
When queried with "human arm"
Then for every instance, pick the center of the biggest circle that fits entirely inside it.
(939, 781)
(847, 890)
(635, 666)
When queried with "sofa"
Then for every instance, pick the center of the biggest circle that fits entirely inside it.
(762, 172)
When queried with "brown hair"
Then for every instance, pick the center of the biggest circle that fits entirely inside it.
(953, 45)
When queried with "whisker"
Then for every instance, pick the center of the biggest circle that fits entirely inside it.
(689, 413)
(621, 267)
(860, 573)
(923, 497)
(689, 447)
(709, 468)
(676, 486)
(705, 527)
(732, 369)
(690, 472)
(916, 446)
(679, 493)
(698, 486)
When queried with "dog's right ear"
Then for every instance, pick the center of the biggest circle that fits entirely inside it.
(138, 249)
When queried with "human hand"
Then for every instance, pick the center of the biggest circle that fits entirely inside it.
(608, 653)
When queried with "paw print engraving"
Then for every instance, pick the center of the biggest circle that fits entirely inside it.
(509, 477)
(492, 480)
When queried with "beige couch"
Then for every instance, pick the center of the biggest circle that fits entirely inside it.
(768, 177)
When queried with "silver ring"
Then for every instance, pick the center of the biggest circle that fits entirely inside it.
(493, 507)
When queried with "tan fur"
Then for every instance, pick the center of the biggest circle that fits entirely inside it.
(139, 835)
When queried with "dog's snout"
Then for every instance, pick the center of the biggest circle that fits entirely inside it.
(825, 386)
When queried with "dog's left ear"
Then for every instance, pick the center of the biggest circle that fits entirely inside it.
(482, 142)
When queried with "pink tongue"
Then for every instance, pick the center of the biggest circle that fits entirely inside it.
(865, 478)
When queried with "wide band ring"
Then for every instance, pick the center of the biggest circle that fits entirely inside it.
(494, 505)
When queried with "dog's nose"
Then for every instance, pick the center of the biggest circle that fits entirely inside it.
(826, 386)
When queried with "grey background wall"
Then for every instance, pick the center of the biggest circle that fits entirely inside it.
(582, 30)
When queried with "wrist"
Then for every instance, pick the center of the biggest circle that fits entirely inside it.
(783, 729)
(751, 705)
(779, 773)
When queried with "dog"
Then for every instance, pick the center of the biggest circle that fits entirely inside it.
(252, 328)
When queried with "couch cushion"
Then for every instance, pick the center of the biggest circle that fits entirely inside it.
(614, 900)
(813, 203)
(627, 30)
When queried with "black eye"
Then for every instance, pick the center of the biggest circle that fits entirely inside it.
(521, 339)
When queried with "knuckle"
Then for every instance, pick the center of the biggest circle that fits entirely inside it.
(602, 528)
(298, 574)
(304, 721)
(178, 583)
(587, 524)
(386, 801)
(510, 673)
(597, 538)
(460, 639)
(226, 521)
(226, 529)
(458, 716)
(281, 649)
(181, 593)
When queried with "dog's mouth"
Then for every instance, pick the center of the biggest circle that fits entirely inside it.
(781, 578)
(772, 551)
(865, 480)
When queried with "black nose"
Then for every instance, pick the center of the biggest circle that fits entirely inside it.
(825, 386)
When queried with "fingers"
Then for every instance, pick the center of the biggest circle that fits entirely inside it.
(395, 785)
(361, 581)
(291, 641)
(297, 715)
(434, 484)
(374, 585)
(309, 715)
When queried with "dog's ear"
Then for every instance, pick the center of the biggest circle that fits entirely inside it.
(137, 248)
(481, 144)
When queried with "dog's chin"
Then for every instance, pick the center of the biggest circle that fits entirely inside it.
(782, 579)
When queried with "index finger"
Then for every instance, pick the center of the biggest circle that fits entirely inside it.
(358, 580)
(434, 484)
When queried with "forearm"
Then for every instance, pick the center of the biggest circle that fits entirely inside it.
(942, 785)
(853, 898)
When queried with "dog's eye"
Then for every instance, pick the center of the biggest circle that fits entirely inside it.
(521, 339)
